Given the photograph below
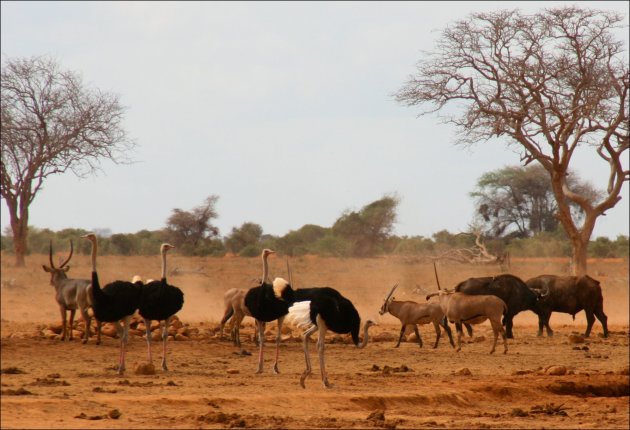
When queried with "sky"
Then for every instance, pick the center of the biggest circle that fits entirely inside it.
(284, 110)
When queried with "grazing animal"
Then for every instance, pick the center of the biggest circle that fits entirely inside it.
(233, 301)
(460, 308)
(569, 294)
(326, 309)
(511, 289)
(115, 302)
(412, 313)
(160, 301)
(71, 294)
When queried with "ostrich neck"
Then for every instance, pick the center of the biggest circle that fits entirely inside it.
(265, 270)
(364, 342)
(163, 264)
(94, 246)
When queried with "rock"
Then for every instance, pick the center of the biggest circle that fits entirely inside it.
(576, 338)
(180, 337)
(136, 332)
(464, 371)
(109, 330)
(383, 337)
(114, 414)
(478, 339)
(286, 329)
(145, 369)
(49, 334)
(556, 370)
(624, 371)
(232, 371)
(518, 412)
(378, 415)
(176, 324)
(56, 328)
(412, 338)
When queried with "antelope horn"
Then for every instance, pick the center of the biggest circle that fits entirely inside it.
(290, 274)
(391, 292)
(436, 276)
(69, 257)
(52, 265)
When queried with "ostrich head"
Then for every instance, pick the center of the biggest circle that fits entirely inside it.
(165, 247)
(90, 236)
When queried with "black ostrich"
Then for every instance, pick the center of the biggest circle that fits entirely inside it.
(266, 303)
(160, 301)
(234, 300)
(325, 309)
(115, 302)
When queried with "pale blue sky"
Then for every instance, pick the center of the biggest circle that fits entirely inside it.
(282, 109)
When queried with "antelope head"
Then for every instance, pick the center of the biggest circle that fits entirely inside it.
(57, 273)
(388, 299)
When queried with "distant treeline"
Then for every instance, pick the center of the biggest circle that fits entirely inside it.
(312, 239)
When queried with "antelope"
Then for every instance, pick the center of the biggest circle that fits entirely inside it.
(462, 308)
(71, 294)
(412, 313)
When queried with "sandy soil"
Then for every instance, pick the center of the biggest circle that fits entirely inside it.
(47, 383)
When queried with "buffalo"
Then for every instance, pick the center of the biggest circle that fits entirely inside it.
(569, 294)
(511, 289)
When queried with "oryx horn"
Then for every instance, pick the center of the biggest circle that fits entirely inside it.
(290, 274)
(436, 276)
(391, 292)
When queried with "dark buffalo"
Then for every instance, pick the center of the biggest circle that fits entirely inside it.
(511, 289)
(569, 294)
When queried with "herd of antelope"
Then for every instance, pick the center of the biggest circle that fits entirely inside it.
(473, 301)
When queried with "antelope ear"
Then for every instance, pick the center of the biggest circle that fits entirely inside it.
(46, 268)
(66, 268)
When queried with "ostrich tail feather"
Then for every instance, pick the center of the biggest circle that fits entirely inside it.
(300, 314)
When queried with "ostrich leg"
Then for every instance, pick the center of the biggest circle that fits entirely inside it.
(306, 336)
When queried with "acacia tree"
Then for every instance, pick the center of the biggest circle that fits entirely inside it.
(552, 83)
(51, 123)
(189, 229)
(249, 233)
(518, 201)
(370, 227)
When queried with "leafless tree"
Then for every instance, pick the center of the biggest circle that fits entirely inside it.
(51, 124)
(477, 254)
(551, 82)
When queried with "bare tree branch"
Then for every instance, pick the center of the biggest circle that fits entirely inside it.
(51, 124)
(551, 82)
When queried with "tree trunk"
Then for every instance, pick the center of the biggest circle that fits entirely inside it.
(18, 213)
(579, 237)
(20, 235)
(579, 255)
